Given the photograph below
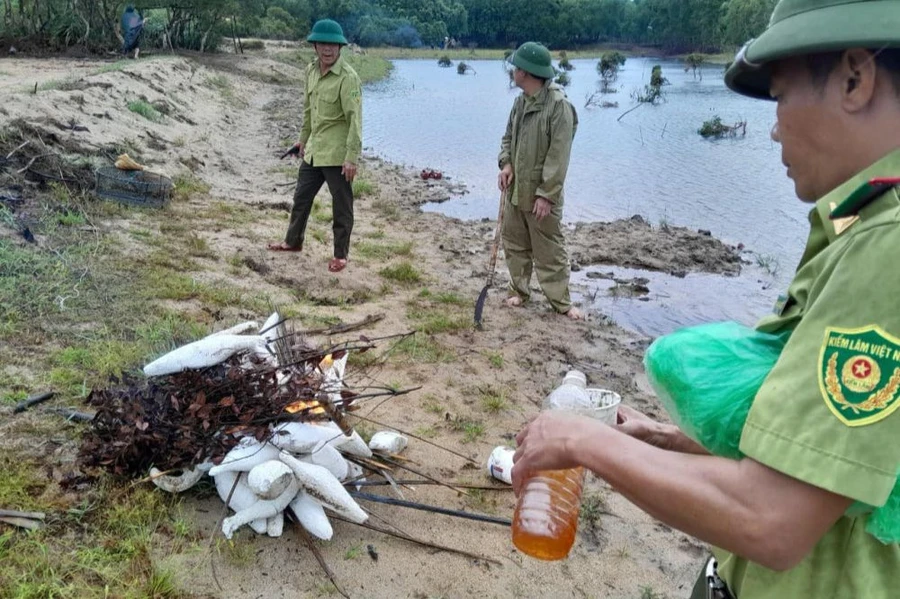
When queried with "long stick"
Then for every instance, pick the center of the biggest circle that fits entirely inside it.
(411, 483)
(345, 328)
(482, 297)
(397, 464)
(29, 515)
(430, 508)
(432, 443)
(71, 414)
(411, 539)
(32, 401)
(315, 551)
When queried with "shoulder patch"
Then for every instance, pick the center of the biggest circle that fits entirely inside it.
(859, 374)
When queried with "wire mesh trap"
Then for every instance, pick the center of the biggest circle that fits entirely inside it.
(140, 188)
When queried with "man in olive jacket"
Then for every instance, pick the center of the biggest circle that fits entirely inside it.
(534, 158)
(330, 142)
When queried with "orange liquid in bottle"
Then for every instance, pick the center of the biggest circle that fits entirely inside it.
(546, 516)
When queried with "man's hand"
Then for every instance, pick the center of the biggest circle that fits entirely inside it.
(547, 443)
(349, 171)
(665, 436)
(504, 179)
(301, 149)
(541, 208)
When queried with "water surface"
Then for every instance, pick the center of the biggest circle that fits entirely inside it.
(652, 163)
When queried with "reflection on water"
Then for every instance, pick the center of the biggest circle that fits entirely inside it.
(651, 163)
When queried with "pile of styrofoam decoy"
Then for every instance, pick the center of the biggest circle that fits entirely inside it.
(301, 466)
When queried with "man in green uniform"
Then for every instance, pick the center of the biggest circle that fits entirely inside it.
(534, 158)
(330, 142)
(822, 432)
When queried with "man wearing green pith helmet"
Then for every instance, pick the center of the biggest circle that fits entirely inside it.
(534, 158)
(821, 442)
(330, 142)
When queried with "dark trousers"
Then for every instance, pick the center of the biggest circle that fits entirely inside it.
(309, 182)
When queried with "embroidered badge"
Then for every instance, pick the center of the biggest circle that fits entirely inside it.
(859, 374)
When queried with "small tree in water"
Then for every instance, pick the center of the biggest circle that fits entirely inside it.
(651, 94)
(564, 63)
(445, 61)
(462, 68)
(608, 68)
(693, 62)
(563, 79)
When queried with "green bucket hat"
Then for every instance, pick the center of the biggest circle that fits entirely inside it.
(534, 58)
(327, 31)
(802, 27)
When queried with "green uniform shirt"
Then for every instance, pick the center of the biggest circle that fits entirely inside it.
(332, 115)
(538, 142)
(824, 415)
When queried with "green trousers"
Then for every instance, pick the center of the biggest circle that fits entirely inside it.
(530, 244)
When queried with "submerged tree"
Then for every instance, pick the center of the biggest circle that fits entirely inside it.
(652, 93)
(445, 61)
(715, 128)
(693, 62)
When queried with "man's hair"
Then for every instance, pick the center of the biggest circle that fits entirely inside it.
(820, 66)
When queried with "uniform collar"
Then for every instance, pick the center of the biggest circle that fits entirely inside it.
(889, 165)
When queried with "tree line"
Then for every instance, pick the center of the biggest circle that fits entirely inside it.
(671, 25)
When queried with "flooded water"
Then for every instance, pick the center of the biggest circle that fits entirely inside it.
(652, 163)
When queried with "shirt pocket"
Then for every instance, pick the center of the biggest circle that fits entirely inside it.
(330, 103)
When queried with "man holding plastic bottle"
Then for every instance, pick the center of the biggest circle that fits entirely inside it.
(330, 142)
(822, 433)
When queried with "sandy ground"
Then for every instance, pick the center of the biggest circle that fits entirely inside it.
(231, 139)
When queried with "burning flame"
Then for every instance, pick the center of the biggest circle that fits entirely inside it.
(313, 407)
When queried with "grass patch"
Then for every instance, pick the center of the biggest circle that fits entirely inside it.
(471, 430)
(362, 187)
(146, 110)
(493, 400)
(495, 358)
(404, 273)
(109, 555)
(422, 349)
(321, 214)
(185, 186)
(592, 507)
(383, 251)
(354, 551)
(387, 209)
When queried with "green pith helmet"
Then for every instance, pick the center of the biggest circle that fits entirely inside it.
(534, 58)
(327, 31)
(802, 27)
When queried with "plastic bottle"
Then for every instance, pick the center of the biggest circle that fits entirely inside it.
(546, 516)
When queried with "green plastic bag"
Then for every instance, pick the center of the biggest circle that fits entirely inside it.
(707, 376)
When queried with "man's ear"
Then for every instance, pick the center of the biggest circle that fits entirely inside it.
(856, 75)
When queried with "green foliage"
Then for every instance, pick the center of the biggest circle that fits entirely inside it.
(674, 26)
(609, 65)
(145, 110)
(563, 79)
(715, 128)
(444, 61)
(404, 273)
(565, 64)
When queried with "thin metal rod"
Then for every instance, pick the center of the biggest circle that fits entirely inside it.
(430, 508)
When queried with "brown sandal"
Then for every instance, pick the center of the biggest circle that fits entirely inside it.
(337, 264)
